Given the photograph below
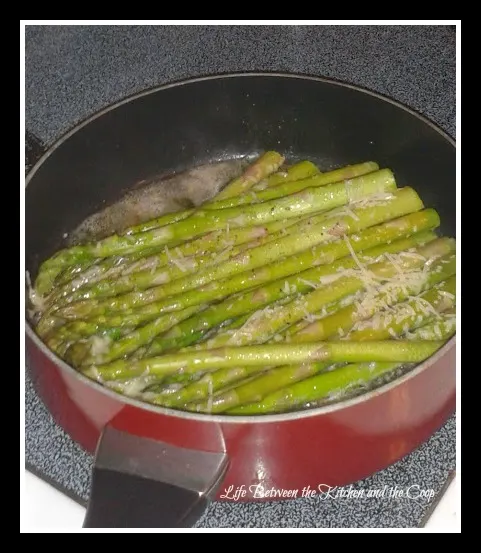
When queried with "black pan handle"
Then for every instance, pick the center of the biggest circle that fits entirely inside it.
(143, 483)
(34, 150)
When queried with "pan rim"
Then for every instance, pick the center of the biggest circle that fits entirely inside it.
(236, 419)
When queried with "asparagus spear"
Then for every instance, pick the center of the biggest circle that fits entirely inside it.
(402, 319)
(390, 293)
(399, 319)
(401, 351)
(79, 351)
(338, 383)
(298, 171)
(127, 338)
(205, 384)
(407, 315)
(377, 235)
(291, 187)
(195, 327)
(321, 229)
(301, 170)
(267, 323)
(443, 328)
(211, 241)
(93, 269)
(260, 165)
(142, 273)
(318, 255)
(187, 332)
(246, 238)
(164, 387)
(167, 343)
(255, 388)
(211, 382)
(117, 326)
(80, 275)
(264, 166)
(129, 343)
(126, 280)
(71, 271)
(126, 323)
(305, 202)
(161, 221)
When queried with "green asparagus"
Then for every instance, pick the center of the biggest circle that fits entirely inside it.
(338, 383)
(217, 241)
(121, 325)
(399, 289)
(401, 351)
(399, 319)
(81, 351)
(264, 166)
(291, 187)
(321, 229)
(288, 288)
(192, 330)
(266, 324)
(186, 333)
(318, 255)
(298, 171)
(161, 221)
(405, 317)
(305, 202)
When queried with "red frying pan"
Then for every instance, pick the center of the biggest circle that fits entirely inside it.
(159, 467)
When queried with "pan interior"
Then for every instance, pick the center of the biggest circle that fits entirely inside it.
(178, 145)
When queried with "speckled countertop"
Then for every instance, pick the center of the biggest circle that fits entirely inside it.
(72, 71)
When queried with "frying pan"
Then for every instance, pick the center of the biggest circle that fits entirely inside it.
(156, 467)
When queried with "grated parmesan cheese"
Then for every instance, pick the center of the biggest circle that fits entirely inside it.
(99, 345)
(392, 332)
(366, 274)
(437, 331)
(447, 294)
(426, 307)
(373, 200)
(238, 221)
(308, 283)
(351, 213)
(175, 261)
